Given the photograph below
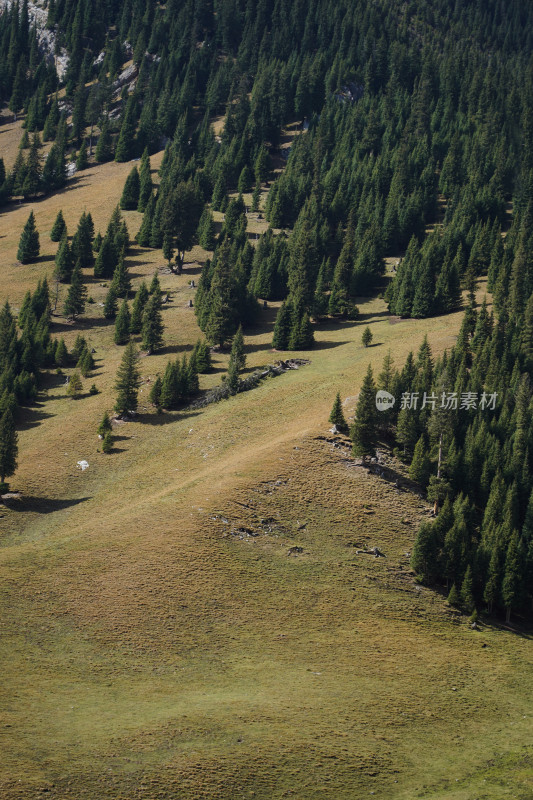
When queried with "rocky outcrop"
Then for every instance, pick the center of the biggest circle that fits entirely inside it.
(47, 38)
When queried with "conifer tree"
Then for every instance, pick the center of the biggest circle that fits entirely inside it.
(82, 242)
(32, 180)
(152, 327)
(420, 468)
(77, 294)
(139, 302)
(74, 385)
(145, 182)
(85, 363)
(106, 260)
(128, 381)
(232, 378)
(121, 279)
(155, 393)
(145, 231)
(104, 147)
(424, 558)
(364, 429)
(8, 447)
(513, 576)
(58, 227)
(168, 395)
(130, 193)
(467, 590)
(105, 425)
(107, 443)
(82, 161)
(237, 354)
(110, 303)
(282, 327)
(202, 356)
(256, 197)
(29, 248)
(63, 261)
(61, 353)
(367, 337)
(122, 324)
(337, 417)
(79, 346)
(206, 230)
(454, 598)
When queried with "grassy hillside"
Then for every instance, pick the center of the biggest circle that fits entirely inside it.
(159, 639)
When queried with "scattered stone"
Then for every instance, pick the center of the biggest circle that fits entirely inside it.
(83, 465)
(293, 551)
(371, 551)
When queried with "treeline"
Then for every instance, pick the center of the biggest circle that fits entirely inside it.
(415, 114)
(26, 347)
(465, 424)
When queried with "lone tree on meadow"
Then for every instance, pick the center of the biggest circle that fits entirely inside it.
(74, 385)
(107, 444)
(337, 417)
(29, 246)
(8, 448)
(105, 425)
(128, 381)
(367, 337)
(364, 428)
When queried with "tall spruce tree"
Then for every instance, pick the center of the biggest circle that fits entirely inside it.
(122, 324)
(128, 381)
(8, 447)
(130, 194)
(58, 227)
(152, 326)
(77, 294)
(364, 429)
(63, 261)
(29, 247)
(337, 417)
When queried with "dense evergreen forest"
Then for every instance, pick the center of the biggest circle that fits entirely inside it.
(414, 114)
(415, 141)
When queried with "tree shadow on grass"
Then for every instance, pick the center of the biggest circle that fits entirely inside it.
(42, 505)
(166, 417)
(82, 323)
(32, 417)
(373, 315)
(174, 348)
(43, 259)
